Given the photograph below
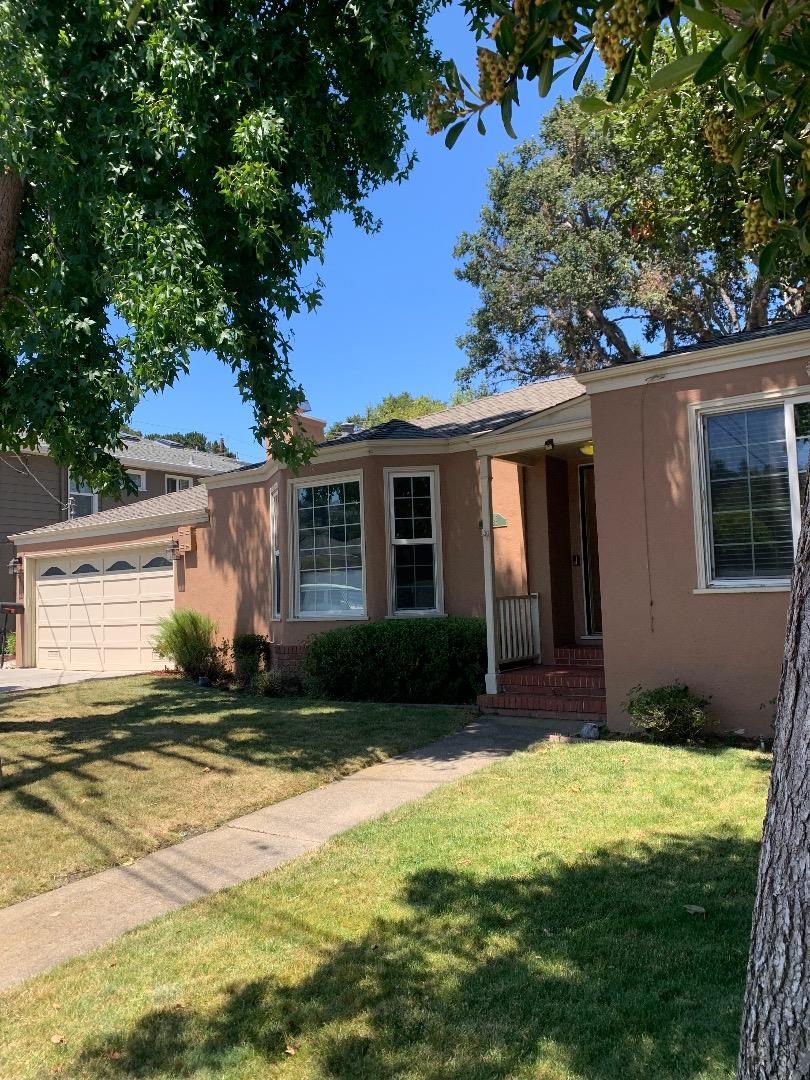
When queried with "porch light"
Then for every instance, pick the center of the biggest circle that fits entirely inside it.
(15, 565)
(587, 449)
(549, 444)
(173, 550)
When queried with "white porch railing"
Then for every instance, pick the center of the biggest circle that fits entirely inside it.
(518, 619)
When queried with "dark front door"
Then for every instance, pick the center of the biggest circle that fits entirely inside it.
(590, 551)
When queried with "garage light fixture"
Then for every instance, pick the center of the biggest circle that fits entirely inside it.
(15, 565)
(173, 550)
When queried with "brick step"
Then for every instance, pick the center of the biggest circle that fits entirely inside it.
(559, 677)
(580, 655)
(567, 721)
(524, 701)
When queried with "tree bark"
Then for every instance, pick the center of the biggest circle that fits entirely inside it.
(10, 206)
(758, 308)
(612, 331)
(775, 1039)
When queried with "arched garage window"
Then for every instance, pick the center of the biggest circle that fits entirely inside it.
(158, 563)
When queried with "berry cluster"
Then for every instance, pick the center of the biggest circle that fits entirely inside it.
(613, 30)
(718, 133)
(757, 226)
(444, 101)
(492, 75)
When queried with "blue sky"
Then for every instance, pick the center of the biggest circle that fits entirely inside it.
(392, 308)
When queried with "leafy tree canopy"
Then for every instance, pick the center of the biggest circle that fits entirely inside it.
(597, 234)
(167, 170)
(755, 55)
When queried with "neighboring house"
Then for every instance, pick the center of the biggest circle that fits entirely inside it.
(35, 491)
(652, 506)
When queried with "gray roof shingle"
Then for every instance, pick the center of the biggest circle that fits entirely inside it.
(151, 452)
(178, 502)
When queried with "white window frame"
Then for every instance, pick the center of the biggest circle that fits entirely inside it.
(188, 481)
(294, 614)
(275, 557)
(72, 490)
(390, 543)
(139, 476)
(698, 412)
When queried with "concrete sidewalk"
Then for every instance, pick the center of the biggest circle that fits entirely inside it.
(21, 679)
(39, 933)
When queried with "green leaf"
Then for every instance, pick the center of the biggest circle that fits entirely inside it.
(546, 77)
(590, 103)
(789, 55)
(579, 74)
(754, 55)
(677, 71)
(712, 65)
(768, 258)
(707, 20)
(480, 125)
(451, 138)
(622, 77)
(506, 115)
(737, 42)
(776, 181)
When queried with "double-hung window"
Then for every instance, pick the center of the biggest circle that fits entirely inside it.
(177, 483)
(328, 562)
(81, 498)
(755, 464)
(415, 557)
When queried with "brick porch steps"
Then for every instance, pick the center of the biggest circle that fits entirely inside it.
(571, 689)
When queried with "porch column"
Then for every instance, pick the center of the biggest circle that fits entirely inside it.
(490, 607)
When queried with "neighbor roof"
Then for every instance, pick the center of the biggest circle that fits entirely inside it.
(776, 329)
(152, 452)
(474, 417)
(189, 501)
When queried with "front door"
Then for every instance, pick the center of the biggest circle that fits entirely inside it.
(590, 552)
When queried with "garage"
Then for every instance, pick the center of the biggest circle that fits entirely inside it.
(98, 610)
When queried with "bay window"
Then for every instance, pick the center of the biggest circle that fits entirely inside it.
(755, 464)
(414, 549)
(328, 563)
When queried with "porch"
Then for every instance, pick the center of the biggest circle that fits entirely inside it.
(541, 571)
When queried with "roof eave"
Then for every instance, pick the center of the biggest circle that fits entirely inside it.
(111, 528)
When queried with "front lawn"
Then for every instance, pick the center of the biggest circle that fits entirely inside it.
(529, 922)
(97, 773)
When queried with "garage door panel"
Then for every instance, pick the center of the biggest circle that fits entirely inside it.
(105, 620)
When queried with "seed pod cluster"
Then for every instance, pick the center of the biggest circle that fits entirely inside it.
(757, 225)
(718, 132)
(492, 75)
(444, 100)
(615, 29)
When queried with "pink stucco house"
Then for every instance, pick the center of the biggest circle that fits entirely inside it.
(632, 525)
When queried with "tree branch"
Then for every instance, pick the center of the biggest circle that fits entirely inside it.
(10, 206)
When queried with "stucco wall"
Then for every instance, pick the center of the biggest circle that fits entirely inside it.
(656, 628)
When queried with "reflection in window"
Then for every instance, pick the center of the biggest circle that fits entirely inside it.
(54, 571)
(121, 564)
(157, 563)
(86, 568)
(329, 549)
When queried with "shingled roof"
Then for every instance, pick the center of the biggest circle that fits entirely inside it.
(153, 452)
(194, 498)
(474, 417)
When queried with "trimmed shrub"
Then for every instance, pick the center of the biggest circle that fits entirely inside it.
(11, 643)
(671, 713)
(441, 660)
(248, 650)
(277, 684)
(187, 637)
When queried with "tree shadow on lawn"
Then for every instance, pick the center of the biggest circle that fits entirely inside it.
(593, 969)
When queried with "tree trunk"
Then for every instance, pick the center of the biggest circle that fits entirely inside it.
(612, 331)
(758, 308)
(775, 1040)
(10, 205)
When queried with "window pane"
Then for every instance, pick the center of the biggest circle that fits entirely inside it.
(412, 504)
(414, 577)
(749, 495)
(330, 574)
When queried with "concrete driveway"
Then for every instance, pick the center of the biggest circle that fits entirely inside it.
(37, 678)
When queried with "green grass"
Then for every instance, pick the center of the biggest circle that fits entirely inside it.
(526, 923)
(97, 773)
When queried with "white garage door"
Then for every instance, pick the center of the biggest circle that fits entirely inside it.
(98, 611)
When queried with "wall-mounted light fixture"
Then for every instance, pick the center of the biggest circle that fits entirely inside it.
(15, 565)
(549, 444)
(587, 449)
(173, 550)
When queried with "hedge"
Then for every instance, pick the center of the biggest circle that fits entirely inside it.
(441, 660)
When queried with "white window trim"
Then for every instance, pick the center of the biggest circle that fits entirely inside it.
(698, 411)
(435, 509)
(140, 476)
(275, 552)
(83, 494)
(292, 536)
(178, 478)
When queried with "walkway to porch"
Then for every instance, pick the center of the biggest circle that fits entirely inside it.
(572, 688)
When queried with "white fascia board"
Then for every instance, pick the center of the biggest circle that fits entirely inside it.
(113, 528)
(735, 355)
(564, 432)
(171, 467)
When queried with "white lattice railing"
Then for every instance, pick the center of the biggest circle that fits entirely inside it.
(518, 628)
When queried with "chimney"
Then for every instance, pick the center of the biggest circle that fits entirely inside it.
(309, 425)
